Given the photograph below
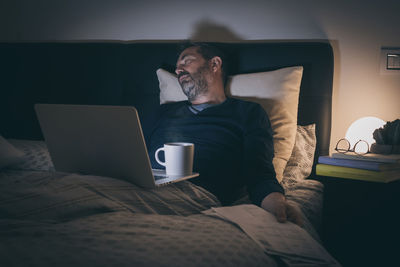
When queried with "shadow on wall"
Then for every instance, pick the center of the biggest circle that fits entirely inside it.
(209, 31)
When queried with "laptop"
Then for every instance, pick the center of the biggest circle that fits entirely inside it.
(100, 140)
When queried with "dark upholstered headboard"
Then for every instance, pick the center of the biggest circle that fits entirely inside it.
(120, 73)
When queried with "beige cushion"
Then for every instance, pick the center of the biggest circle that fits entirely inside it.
(277, 92)
(300, 163)
(170, 89)
(37, 157)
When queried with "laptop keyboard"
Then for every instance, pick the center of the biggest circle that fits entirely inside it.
(159, 174)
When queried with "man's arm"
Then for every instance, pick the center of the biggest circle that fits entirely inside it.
(263, 187)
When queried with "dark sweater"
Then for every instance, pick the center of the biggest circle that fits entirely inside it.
(233, 146)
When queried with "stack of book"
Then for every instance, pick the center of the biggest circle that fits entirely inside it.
(368, 167)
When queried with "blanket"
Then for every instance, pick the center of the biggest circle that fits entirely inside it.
(63, 219)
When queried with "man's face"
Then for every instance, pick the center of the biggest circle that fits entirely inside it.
(192, 70)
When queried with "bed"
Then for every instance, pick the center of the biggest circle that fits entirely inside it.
(50, 218)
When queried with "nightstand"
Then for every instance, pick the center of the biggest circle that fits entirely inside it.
(361, 222)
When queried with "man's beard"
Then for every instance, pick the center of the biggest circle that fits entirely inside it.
(195, 84)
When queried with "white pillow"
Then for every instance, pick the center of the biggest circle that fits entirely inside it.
(276, 91)
(8, 153)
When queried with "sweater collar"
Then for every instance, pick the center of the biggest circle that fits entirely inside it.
(196, 108)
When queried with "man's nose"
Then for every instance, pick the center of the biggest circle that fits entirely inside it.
(178, 70)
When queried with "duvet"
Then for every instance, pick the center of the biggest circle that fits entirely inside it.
(50, 218)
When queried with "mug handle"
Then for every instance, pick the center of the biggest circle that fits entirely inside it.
(156, 155)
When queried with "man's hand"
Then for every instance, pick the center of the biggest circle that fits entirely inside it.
(276, 204)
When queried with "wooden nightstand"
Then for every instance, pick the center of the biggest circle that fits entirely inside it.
(361, 222)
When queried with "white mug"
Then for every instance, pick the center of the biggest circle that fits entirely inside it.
(178, 158)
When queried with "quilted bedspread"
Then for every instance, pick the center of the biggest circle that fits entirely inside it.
(60, 219)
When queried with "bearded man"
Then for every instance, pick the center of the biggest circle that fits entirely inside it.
(233, 138)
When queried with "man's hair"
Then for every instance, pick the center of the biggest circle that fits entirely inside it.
(208, 51)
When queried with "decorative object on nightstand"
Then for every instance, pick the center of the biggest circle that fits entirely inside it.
(387, 138)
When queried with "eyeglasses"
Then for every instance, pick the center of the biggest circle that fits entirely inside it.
(360, 148)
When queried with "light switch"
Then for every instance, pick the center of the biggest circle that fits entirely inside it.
(390, 60)
(393, 61)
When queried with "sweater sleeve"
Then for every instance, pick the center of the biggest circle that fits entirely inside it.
(258, 150)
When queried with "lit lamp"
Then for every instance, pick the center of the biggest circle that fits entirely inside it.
(362, 129)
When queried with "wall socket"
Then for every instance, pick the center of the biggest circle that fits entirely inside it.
(390, 60)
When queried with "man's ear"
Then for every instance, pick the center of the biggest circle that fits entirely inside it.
(216, 63)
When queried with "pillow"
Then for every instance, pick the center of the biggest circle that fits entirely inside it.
(8, 153)
(300, 163)
(36, 155)
(277, 92)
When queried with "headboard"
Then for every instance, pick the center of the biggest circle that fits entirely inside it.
(124, 73)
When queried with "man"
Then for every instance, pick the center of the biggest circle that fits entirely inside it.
(233, 138)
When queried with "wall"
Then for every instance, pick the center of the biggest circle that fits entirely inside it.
(356, 29)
